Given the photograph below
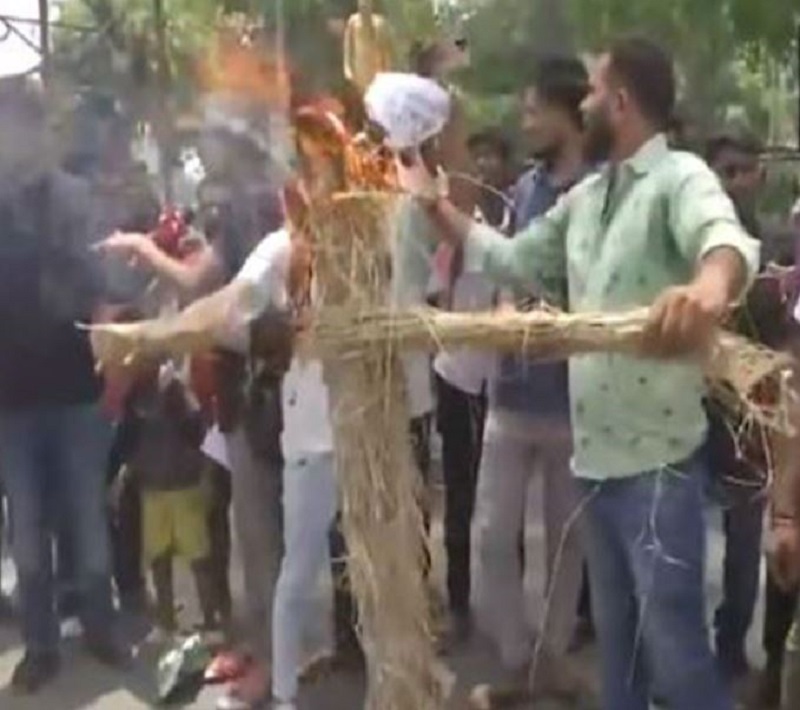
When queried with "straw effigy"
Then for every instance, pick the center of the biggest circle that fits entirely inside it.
(380, 486)
(359, 340)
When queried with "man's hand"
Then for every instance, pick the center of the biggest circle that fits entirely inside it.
(683, 321)
(784, 554)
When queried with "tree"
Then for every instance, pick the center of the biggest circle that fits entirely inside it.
(710, 39)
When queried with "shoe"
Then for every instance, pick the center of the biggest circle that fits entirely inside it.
(249, 692)
(109, 652)
(34, 672)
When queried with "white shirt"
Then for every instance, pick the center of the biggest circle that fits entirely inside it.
(468, 369)
(306, 413)
(409, 289)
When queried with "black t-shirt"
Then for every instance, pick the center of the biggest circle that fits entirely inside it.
(49, 281)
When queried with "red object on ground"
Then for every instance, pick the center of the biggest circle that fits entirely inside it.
(227, 667)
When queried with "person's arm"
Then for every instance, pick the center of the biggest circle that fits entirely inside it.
(222, 319)
(533, 258)
(704, 222)
(261, 283)
(707, 233)
(192, 275)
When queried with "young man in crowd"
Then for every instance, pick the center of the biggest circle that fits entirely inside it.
(638, 425)
(461, 378)
(122, 199)
(493, 158)
(528, 426)
(52, 433)
(738, 481)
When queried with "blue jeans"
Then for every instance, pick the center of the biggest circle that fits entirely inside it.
(54, 475)
(646, 542)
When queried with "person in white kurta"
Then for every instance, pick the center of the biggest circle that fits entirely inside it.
(309, 484)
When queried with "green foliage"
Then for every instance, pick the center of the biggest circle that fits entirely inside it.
(722, 46)
(727, 50)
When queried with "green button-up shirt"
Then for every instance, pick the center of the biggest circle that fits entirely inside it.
(619, 239)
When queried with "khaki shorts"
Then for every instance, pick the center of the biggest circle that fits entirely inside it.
(175, 522)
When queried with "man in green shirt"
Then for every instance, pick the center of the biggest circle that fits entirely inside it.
(654, 228)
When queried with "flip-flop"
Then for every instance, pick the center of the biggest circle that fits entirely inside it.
(227, 667)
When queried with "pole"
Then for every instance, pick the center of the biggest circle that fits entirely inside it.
(44, 37)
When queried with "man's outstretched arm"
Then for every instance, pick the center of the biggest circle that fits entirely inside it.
(533, 258)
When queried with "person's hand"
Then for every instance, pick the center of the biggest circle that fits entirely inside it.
(128, 245)
(784, 554)
(416, 178)
(683, 321)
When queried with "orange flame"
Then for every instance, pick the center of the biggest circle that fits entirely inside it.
(242, 63)
(364, 164)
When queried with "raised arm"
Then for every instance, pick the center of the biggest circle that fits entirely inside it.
(193, 275)
(225, 318)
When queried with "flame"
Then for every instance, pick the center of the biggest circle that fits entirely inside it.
(323, 135)
(241, 62)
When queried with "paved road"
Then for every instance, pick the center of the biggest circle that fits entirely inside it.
(86, 685)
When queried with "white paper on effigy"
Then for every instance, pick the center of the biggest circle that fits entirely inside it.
(215, 447)
(409, 108)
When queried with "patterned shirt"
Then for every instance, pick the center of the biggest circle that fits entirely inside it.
(620, 238)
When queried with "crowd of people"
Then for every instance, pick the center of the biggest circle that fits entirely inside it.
(109, 477)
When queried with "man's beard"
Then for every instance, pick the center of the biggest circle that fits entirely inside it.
(599, 137)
